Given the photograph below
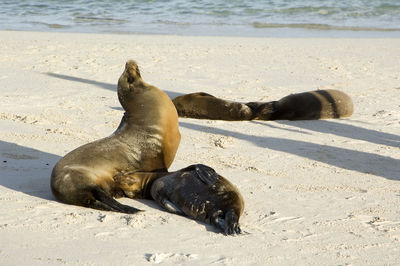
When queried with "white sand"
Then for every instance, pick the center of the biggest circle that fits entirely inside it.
(316, 192)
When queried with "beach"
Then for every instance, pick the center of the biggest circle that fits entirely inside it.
(323, 192)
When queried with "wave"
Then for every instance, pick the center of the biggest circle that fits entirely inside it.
(314, 26)
(99, 19)
(49, 25)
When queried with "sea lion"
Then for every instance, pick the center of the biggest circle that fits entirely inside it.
(202, 105)
(319, 104)
(127, 162)
(200, 193)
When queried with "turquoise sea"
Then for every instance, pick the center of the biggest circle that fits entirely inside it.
(266, 18)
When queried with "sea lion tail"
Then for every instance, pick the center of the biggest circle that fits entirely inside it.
(105, 202)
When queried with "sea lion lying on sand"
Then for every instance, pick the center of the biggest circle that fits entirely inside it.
(202, 105)
(320, 104)
(200, 193)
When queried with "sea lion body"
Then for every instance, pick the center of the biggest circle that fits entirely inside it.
(146, 141)
(319, 104)
(200, 193)
(201, 105)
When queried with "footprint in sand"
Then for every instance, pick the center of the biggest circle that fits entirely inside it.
(273, 217)
(176, 258)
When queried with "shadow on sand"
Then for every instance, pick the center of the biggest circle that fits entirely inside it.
(103, 85)
(26, 170)
(359, 161)
(348, 131)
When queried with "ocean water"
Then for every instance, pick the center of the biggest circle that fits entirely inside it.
(267, 18)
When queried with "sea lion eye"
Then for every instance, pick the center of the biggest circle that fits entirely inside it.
(130, 80)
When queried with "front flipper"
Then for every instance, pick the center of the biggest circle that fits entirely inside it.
(171, 207)
(159, 194)
(206, 174)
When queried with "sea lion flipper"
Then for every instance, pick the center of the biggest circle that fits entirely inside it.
(171, 207)
(159, 193)
(105, 202)
(231, 224)
(206, 174)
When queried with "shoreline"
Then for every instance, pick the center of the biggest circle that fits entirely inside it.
(315, 192)
(258, 30)
(182, 37)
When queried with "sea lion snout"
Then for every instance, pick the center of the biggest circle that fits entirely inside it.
(132, 69)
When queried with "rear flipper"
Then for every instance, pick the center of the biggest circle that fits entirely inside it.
(105, 202)
(229, 223)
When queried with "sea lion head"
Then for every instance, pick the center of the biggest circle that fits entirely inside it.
(128, 83)
(132, 69)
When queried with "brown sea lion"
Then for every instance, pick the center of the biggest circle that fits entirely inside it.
(320, 104)
(125, 163)
(200, 193)
(201, 105)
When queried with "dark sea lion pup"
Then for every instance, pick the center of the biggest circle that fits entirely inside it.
(200, 193)
(320, 104)
(125, 163)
